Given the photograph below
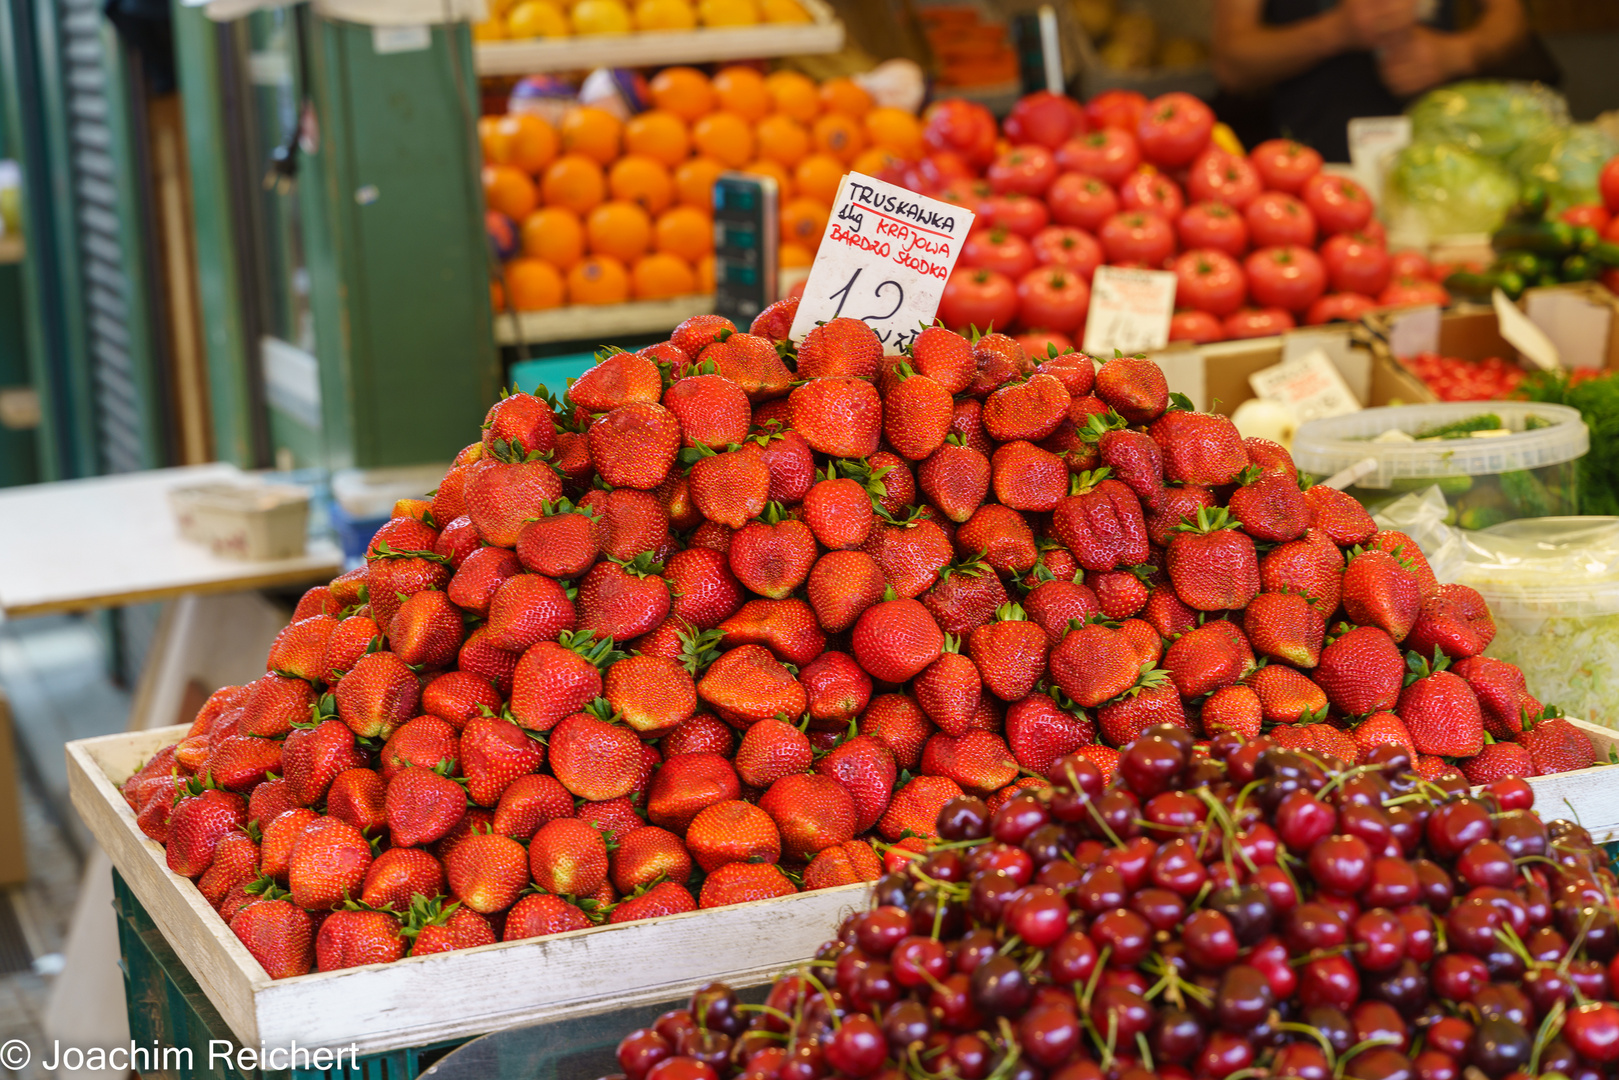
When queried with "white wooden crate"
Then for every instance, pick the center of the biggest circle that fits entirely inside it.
(1589, 796)
(451, 995)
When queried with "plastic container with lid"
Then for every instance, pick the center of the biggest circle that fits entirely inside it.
(1552, 585)
(1526, 467)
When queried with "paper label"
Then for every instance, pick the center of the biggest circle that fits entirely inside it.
(1530, 340)
(884, 259)
(1371, 140)
(1415, 330)
(1311, 384)
(400, 39)
(1130, 310)
(1579, 327)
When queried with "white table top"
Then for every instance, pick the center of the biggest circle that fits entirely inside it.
(77, 545)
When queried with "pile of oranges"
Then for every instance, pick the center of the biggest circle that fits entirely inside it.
(524, 19)
(601, 211)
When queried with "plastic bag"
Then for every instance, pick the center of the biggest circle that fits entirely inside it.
(1444, 189)
(1488, 116)
(1421, 516)
(1567, 161)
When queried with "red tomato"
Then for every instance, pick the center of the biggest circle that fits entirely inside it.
(1408, 292)
(1222, 177)
(1026, 170)
(1612, 231)
(1116, 109)
(963, 127)
(1374, 232)
(1198, 326)
(1588, 214)
(1285, 277)
(1141, 237)
(1409, 264)
(1257, 322)
(1338, 203)
(1355, 265)
(1339, 307)
(1051, 298)
(939, 170)
(1213, 225)
(1021, 214)
(1046, 119)
(1040, 343)
(1080, 200)
(1174, 129)
(1608, 184)
(1284, 165)
(996, 249)
(1143, 190)
(1067, 247)
(1276, 218)
(1109, 155)
(975, 196)
(1210, 281)
(980, 298)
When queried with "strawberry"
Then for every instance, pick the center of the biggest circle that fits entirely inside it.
(422, 806)
(379, 693)
(747, 684)
(221, 701)
(240, 762)
(1039, 731)
(770, 750)
(1152, 700)
(528, 802)
(1340, 517)
(1093, 663)
(896, 639)
(1305, 567)
(540, 915)
(279, 934)
(358, 796)
(703, 733)
(732, 831)
(890, 480)
(1177, 506)
(316, 601)
(837, 688)
(1270, 458)
(629, 523)
(915, 807)
(917, 414)
(776, 321)
(646, 855)
(1133, 457)
(1075, 370)
(955, 479)
(1270, 508)
(811, 813)
(267, 802)
(848, 863)
(634, 445)
(688, 784)
(1026, 477)
(948, 690)
(1283, 626)
(1214, 567)
(979, 760)
(1055, 603)
(712, 410)
(1199, 448)
(1001, 537)
(790, 462)
(664, 898)
(427, 629)
(1287, 696)
(457, 696)
(192, 753)
(201, 816)
(1554, 745)
(567, 856)
(501, 497)
(730, 488)
(276, 703)
(617, 379)
(700, 331)
(1104, 758)
(299, 650)
(486, 871)
(348, 589)
(865, 767)
(495, 752)
(1430, 767)
(744, 883)
(1010, 653)
(327, 864)
(425, 741)
(1321, 741)
(593, 759)
(1498, 761)
(236, 863)
(1134, 387)
(1144, 641)
(1440, 709)
(1404, 548)
(556, 679)
(401, 534)
(839, 416)
(839, 510)
(841, 346)
(1213, 655)
(280, 834)
(482, 573)
(1029, 410)
(966, 596)
(704, 591)
(967, 426)
(397, 877)
(622, 600)
(477, 820)
(1503, 698)
(1453, 619)
(441, 927)
(1379, 729)
(1024, 786)
(841, 585)
(613, 818)
(1235, 709)
(457, 540)
(999, 360)
(786, 627)
(772, 556)
(1120, 593)
(1361, 670)
(1101, 523)
(1379, 591)
(945, 357)
(911, 554)
(652, 693)
(353, 638)
(750, 361)
(520, 423)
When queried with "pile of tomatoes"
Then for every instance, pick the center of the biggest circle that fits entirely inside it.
(1454, 379)
(1259, 242)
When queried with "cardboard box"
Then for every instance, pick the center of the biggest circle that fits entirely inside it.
(1216, 376)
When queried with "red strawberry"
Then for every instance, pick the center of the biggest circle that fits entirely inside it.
(1498, 761)
(327, 864)
(702, 733)
(770, 750)
(890, 480)
(1287, 696)
(1093, 663)
(698, 332)
(705, 592)
(786, 627)
(569, 857)
(776, 321)
(839, 510)
(955, 478)
(732, 831)
(1101, 523)
(623, 600)
(1271, 508)
(1305, 567)
(617, 379)
(1144, 640)
(529, 802)
(236, 863)
(358, 796)
(1404, 548)
(1152, 701)
(458, 540)
(1361, 671)
(1134, 386)
(811, 813)
(945, 357)
(486, 871)
(772, 556)
(267, 802)
(1120, 593)
(401, 534)
(1270, 458)
(353, 638)
(629, 523)
(1321, 741)
(240, 762)
(966, 596)
(1340, 517)
(494, 753)
(1026, 477)
(1440, 709)
(791, 463)
(1010, 653)
(614, 818)
(316, 601)
(898, 723)
(1283, 626)
(1554, 745)
(313, 757)
(595, 760)
(752, 363)
(664, 898)
(743, 883)
(1214, 567)
(645, 855)
(522, 421)
(1001, 537)
(999, 360)
(502, 496)
(1382, 728)
(1199, 448)
(377, 695)
(838, 690)
(1453, 619)
(1030, 410)
(1054, 603)
(526, 610)
(713, 411)
(1213, 655)
(541, 915)
(848, 863)
(634, 445)
(398, 876)
(1379, 591)
(688, 784)
(560, 544)
(841, 585)
(279, 934)
(1235, 709)
(652, 693)
(299, 650)
(896, 639)
(280, 834)
(423, 805)
(864, 765)
(917, 414)
(275, 704)
(747, 684)
(948, 690)
(427, 630)
(1039, 731)
(1503, 698)
(1075, 370)
(445, 928)
(1177, 506)
(1134, 458)
(911, 554)
(456, 697)
(841, 346)
(484, 571)
(555, 679)
(915, 807)
(839, 416)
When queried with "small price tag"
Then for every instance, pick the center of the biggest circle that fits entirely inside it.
(1311, 384)
(1130, 310)
(1530, 340)
(884, 259)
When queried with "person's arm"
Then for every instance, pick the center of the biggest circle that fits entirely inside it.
(1248, 55)
(1422, 58)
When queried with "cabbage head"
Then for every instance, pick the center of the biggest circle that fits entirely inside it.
(1567, 161)
(1446, 190)
(1488, 116)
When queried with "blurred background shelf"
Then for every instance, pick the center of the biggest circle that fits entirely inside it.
(607, 322)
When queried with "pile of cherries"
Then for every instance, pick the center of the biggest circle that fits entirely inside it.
(1225, 911)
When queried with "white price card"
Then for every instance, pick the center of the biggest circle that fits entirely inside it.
(884, 259)
(1530, 340)
(1311, 384)
(1130, 310)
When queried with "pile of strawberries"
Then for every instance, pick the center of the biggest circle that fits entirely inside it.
(730, 620)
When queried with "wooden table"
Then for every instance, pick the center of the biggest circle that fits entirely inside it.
(78, 545)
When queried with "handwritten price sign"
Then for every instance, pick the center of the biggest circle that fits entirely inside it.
(1130, 310)
(884, 259)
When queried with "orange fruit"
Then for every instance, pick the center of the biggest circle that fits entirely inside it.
(803, 221)
(776, 171)
(492, 140)
(896, 130)
(497, 295)
(694, 182)
(592, 132)
(508, 189)
(874, 160)
(818, 177)
(642, 181)
(574, 181)
(836, 133)
(661, 275)
(724, 136)
(742, 90)
(705, 274)
(659, 135)
(684, 231)
(619, 229)
(555, 235)
(794, 255)
(794, 94)
(782, 139)
(523, 140)
(664, 15)
(489, 30)
(728, 12)
(536, 18)
(683, 91)
(600, 279)
(534, 284)
(845, 96)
